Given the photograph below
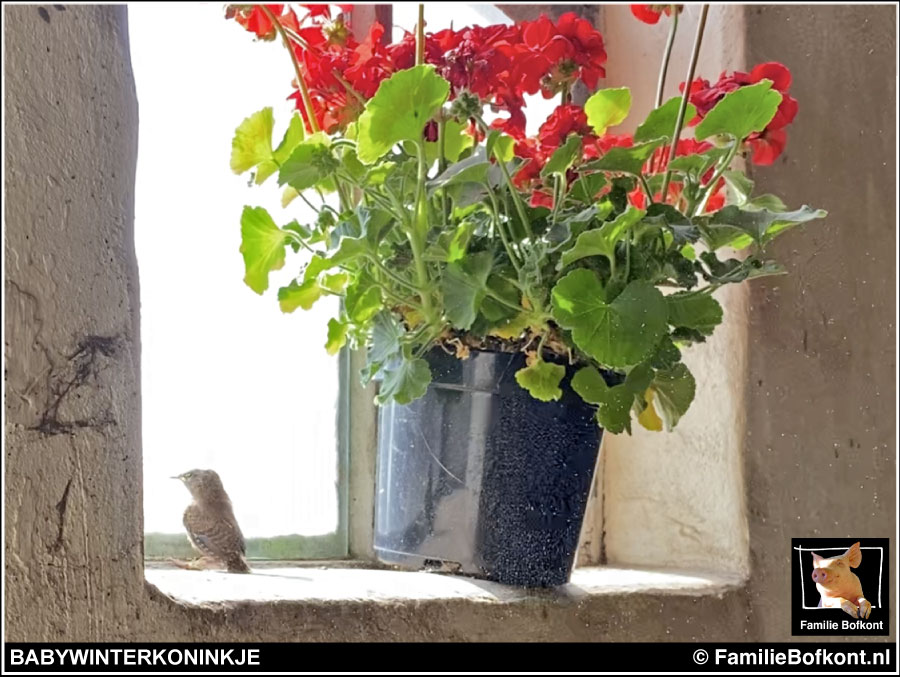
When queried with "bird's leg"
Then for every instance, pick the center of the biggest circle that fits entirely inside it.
(198, 564)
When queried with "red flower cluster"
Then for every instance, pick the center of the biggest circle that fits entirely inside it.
(500, 64)
(764, 146)
(650, 14)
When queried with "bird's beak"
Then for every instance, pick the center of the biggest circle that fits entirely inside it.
(175, 477)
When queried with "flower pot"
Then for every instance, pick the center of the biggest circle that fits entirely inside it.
(483, 479)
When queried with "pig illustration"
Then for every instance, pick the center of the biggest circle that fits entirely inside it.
(839, 586)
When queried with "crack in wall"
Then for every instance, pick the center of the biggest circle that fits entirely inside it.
(61, 511)
(83, 365)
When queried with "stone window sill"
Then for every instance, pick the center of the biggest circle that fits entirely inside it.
(278, 582)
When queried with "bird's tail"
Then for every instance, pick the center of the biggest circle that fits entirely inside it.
(237, 565)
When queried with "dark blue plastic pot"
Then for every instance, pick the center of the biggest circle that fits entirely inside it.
(481, 477)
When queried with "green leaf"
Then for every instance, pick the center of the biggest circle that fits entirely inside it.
(401, 107)
(499, 145)
(768, 201)
(262, 245)
(349, 249)
(602, 241)
(674, 389)
(627, 160)
(464, 286)
(513, 327)
(405, 381)
(335, 282)
(587, 186)
(459, 243)
(613, 403)
(563, 157)
(607, 108)
(660, 124)
(694, 310)
(386, 335)
(741, 112)
(474, 169)
(493, 310)
(739, 187)
(252, 145)
(542, 380)
(294, 135)
(337, 336)
(456, 139)
(316, 265)
(299, 295)
(616, 334)
(761, 225)
(362, 302)
(698, 164)
(310, 163)
(667, 354)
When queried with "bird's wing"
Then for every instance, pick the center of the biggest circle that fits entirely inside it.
(213, 534)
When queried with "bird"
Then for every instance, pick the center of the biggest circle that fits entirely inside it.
(211, 526)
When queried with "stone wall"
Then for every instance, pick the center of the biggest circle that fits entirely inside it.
(819, 451)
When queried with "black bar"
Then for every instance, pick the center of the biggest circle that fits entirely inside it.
(852, 657)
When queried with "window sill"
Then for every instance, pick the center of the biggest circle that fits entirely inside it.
(339, 583)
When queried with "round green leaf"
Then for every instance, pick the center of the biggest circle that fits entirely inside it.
(252, 142)
(674, 389)
(542, 379)
(262, 245)
(406, 381)
(401, 107)
(337, 336)
(741, 112)
(617, 334)
(607, 107)
(660, 123)
(299, 295)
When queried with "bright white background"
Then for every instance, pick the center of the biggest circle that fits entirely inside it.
(228, 381)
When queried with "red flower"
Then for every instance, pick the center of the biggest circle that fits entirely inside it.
(561, 54)
(255, 20)
(650, 14)
(566, 119)
(602, 145)
(764, 146)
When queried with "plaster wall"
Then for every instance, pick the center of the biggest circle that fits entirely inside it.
(818, 451)
(677, 499)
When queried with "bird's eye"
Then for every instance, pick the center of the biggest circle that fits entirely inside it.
(187, 475)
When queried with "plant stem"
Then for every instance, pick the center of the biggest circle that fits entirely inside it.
(499, 299)
(646, 187)
(442, 165)
(664, 67)
(301, 83)
(516, 198)
(420, 36)
(711, 186)
(417, 232)
(391, 274)
(510, 251)
(352, 92)
(679, 122)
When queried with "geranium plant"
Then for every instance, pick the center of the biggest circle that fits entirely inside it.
(451, 227)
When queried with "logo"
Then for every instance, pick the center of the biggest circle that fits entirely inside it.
(840, 586)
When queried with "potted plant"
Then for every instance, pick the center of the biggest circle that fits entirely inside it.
(515, 295)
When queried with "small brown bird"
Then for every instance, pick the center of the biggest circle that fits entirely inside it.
(211, 526)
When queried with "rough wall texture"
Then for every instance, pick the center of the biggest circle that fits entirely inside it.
(821, 436)
(660, 506)
(73, 481)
